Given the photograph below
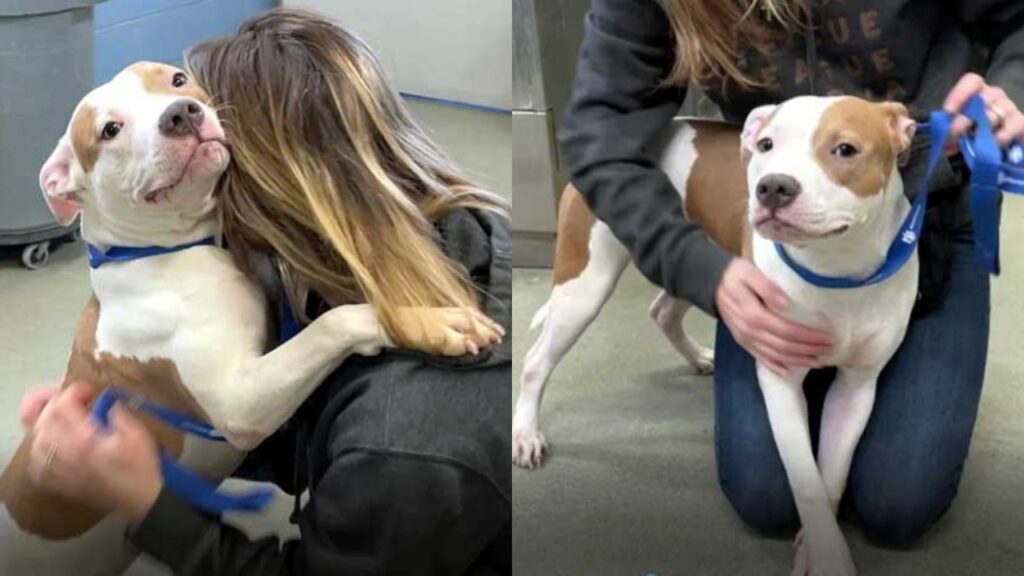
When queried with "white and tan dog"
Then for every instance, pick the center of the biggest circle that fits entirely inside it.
(823, 181)
(187, 330)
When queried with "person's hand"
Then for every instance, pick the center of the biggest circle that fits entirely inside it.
(751, 306)
(115, 470)
(1007, 120)
(33, 402)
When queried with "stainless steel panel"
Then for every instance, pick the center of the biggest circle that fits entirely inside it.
(534, 172)
(547, 36)
(527, 80)
(559, 35)
(546, 39)
(535, 184)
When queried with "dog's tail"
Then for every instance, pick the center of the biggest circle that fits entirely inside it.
(540, 317)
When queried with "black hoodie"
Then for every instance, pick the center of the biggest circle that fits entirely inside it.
(405, 456)
(912, 51)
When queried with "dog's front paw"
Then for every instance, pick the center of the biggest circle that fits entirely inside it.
(450, 331)
(529, 447)
(702, 360)
(822, 556)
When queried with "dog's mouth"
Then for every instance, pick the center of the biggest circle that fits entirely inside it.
(778, 228)
(162, 193)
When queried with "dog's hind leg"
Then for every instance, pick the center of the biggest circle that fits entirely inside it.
(588, 264)
(668, 314)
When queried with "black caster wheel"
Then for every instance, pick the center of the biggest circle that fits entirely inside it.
(36, 256)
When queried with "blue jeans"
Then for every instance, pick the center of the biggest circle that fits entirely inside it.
(907, 466)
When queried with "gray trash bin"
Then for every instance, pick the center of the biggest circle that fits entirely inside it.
(46, 67)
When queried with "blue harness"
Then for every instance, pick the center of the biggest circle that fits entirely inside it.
(178, 479)
(989, 175)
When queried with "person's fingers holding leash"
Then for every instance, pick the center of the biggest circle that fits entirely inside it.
(968, 85)
(64, 436)
(126, 465)
(1006, 119)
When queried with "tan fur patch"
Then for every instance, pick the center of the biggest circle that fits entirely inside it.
(867, 127)
(716, 189)
(56, 518)
(157, 79)
(716, 199)
(84, 140)
(572, 245)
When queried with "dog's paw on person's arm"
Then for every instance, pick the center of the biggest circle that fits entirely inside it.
(449, 331)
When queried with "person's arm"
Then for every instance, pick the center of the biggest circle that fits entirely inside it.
(618, 109)
(371, 513)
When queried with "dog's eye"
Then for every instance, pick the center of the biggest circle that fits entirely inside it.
(765, 144)
(179, 80)
(110, 129)
(845, 150)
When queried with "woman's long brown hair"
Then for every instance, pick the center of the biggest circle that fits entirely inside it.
(711, 34)
(329, 171)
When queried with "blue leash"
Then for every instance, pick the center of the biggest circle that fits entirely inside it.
(178, 479)
(989, 174)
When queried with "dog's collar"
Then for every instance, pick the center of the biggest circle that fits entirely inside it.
(989, 174)
(99, 257)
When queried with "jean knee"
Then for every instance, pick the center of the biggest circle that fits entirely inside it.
(901, 522)
(760, 501)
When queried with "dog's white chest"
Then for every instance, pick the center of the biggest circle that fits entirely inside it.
(867, 324)
(194, 308)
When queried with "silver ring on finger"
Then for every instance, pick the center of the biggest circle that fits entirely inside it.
(999, 114)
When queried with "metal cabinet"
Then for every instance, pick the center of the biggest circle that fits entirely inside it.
(546, 39)
(45, 67)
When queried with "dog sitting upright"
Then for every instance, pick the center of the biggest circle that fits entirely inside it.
(185, 329)
(823, 181)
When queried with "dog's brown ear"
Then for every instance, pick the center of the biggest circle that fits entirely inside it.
(902, 129)
(756, 120)
(55, 179)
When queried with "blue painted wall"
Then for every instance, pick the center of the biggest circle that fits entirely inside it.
(160, 30)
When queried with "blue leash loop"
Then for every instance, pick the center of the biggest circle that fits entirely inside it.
(989, 175)
(178, 479)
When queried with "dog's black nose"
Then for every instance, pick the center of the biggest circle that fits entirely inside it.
(775, 191)
(181, 118)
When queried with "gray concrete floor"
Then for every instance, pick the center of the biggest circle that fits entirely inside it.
(38, 310)
(631, 487)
